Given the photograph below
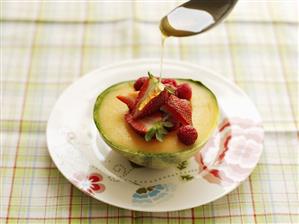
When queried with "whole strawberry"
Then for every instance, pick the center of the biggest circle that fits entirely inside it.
(184, 91)
(187, 134)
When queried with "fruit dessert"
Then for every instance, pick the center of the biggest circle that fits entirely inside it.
(156, 123)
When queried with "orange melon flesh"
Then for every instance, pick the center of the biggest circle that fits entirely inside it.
(109, 117)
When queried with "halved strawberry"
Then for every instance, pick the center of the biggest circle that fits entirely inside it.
(143, 125)
(179, 109)
(150, 126)
(129, 100)
(139, 83)
(150, 98)
(143, 91)
(152, 106)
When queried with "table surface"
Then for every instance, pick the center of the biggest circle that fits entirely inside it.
(45, 46)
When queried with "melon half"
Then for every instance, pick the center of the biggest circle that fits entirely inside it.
(109, 118)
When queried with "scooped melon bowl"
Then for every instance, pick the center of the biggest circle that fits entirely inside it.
(109, 114)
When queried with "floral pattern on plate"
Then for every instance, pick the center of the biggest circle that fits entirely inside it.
(89, 183)
(239, 142)
(153, 194)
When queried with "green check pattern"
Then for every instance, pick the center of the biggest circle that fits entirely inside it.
(45, 46)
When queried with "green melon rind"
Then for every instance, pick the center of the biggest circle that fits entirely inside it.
(153, 160)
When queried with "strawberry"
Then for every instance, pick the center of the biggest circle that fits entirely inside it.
(143, 91)
(169, 82)
(141, 126)
(150, 126)
(129, 100)
(187, 134)
(150, 98)
(139, 83)
(184, 91)
(175, 124)
(179, 109)
(152, 106)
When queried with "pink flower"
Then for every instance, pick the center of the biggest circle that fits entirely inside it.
(240, 146)
(89, 183)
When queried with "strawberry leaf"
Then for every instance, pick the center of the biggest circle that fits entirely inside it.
(158, 130)
(159, 136)
(163, 131)
(160, 133)
(150, 134)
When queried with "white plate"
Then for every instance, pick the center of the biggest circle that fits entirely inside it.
(85, 160)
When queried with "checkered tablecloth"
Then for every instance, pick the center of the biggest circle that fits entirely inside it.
(47, 45)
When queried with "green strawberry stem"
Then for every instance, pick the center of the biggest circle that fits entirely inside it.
(158, 130)
(150, 134)
(150, 75)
